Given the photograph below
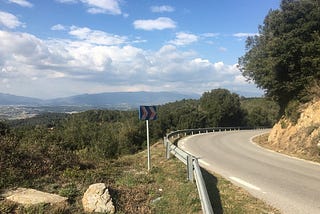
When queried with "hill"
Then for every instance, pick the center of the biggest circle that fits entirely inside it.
(8, 99)
(112, 99)
(132, 99)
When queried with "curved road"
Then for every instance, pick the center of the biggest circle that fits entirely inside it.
(289, 184)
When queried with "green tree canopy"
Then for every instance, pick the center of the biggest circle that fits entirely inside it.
(284, 59)
(4, 128)
(222, 108)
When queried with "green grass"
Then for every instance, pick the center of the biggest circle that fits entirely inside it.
(229, 199)
(164, 189)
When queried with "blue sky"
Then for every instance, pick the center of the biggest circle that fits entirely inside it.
(58, 48)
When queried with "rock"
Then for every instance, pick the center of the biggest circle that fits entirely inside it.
(32, 196)
(97, 199)
(301, 138)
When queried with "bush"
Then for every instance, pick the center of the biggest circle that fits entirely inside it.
(70, 191)
(292, 111)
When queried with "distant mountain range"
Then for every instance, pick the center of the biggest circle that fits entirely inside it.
(8, 99)
(112, 99)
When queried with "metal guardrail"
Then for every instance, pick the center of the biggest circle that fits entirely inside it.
(193, 168)
(203, 193)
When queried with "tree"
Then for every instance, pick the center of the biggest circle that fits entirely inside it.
(285, 58)
(222, 108)
(4, 128)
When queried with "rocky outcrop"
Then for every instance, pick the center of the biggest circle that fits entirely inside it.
(32, 196)
(97, 199)
(300, 139)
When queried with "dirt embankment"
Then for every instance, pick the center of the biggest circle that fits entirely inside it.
(298, 139)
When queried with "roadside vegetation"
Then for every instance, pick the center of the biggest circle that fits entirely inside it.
(65, 153)
(284, 59)
(164, 189)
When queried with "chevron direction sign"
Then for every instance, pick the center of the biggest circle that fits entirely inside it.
(148, 113)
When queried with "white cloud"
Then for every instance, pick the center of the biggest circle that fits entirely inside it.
(210, 35)
(162, 8)
(99, 6)
(103, 6)
(183, 38)
(58, 27)
(223, 49)
(60, 67)
(9, 20)
(241, 35)
(22, 3)
(160, 23)
(226, 69)
(218, 65)
(96, 36)
(201, 61)
(67, 1)
(240, 79)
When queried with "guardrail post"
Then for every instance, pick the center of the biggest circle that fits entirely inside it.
(190, 167)
(167, 148)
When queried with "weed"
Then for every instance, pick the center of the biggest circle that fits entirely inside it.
(70, 191)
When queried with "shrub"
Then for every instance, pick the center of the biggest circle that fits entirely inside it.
(292, 111)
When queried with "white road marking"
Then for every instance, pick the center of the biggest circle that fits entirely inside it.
(284, 155)
(251, 186)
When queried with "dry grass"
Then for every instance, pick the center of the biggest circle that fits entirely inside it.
(164, 189)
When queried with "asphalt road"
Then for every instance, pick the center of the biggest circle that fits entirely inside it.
(289, 184)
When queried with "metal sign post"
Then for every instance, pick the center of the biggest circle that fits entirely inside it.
(148, 113)
(148, 146)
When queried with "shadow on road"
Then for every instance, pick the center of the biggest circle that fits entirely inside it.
(213, 191)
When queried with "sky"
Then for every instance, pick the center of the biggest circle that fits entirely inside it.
(59, 48)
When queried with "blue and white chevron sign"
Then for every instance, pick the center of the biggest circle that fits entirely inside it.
(148, 113)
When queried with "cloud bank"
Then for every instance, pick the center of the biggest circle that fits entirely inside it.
(96, 61)
(87, 60)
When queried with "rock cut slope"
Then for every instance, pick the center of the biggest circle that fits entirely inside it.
(299, 139)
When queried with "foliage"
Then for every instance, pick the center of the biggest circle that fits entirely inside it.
(182, 114)
(222, 108)
(70, 191)
(292, 111)
(48, 119)
(65, 153)
(4, 128)
(260, 111)
(52, 145)
(285, 57)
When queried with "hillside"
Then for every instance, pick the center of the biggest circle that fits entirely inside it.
(131, 99)
(8, 99)
(163, 190)
(299, 139)
(110, 99)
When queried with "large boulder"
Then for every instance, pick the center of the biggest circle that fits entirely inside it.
(97, 199)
